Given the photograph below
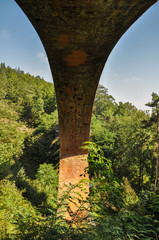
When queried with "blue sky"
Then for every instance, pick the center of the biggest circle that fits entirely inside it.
(20, 45)
(130, 74)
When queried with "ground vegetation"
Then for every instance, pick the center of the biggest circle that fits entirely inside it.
(123, 158)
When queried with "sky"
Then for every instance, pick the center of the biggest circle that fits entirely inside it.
(131, 72)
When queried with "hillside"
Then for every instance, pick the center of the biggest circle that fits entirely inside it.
(27, 104)
(28, 124)
(122, 160)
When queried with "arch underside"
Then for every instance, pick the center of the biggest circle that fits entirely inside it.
(78, 37)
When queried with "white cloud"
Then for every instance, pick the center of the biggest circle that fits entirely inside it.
(5, 34)
(42, 57)
(116, 75)
(132, 80)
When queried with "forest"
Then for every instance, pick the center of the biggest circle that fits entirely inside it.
(123, 166)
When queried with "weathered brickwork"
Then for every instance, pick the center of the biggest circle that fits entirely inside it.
(78, 37)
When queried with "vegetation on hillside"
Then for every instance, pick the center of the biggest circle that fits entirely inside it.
(123, 160)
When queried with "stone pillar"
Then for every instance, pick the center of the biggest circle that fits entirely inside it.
(75, 100)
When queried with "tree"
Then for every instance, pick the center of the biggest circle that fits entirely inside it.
(154, 104)
(3, 81)
(104, 104)
(33, 109)
(116, 129)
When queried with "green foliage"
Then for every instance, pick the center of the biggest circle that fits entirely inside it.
(155, 119)
(47, 182)
(33, 109)
(48, 122)
(122, 163)
(26, 102)
(118, 130)
(43, 145)
(12, 205)
(102, 136)
(32, 95)
(113, 214)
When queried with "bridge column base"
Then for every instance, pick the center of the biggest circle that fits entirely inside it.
(72, 173)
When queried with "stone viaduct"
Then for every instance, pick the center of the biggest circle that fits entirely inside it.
(78, 36)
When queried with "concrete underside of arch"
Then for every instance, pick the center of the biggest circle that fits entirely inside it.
(78, 37)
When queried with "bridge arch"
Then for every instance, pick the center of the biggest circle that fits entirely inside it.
(78, 37)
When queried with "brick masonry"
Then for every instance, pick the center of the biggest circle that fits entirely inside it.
(78, 37)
